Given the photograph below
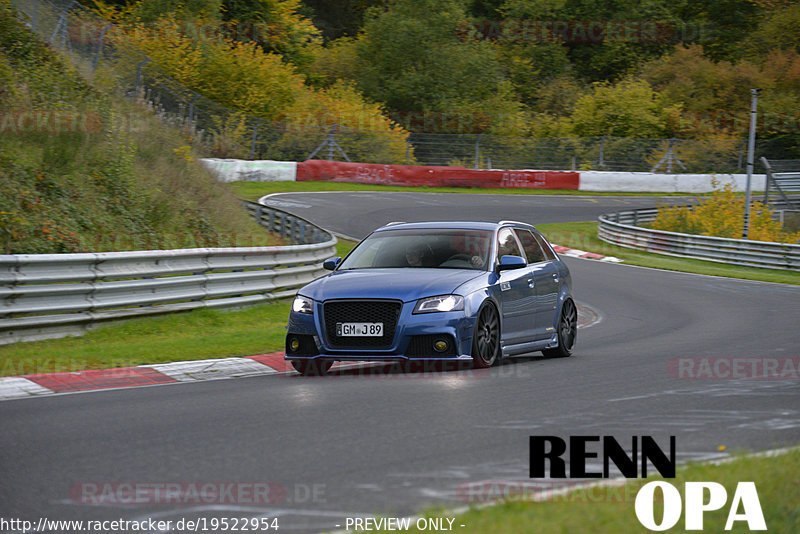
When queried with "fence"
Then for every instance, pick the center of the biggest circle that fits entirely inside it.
(784, 177)
(53, 295)
(225, 133)
(622, 228)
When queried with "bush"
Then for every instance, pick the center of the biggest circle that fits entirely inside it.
(122, 180)
(721, 214)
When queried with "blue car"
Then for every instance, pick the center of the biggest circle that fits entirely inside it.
(436, 291)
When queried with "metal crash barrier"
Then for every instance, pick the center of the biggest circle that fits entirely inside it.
(53, 295)
(622, 229)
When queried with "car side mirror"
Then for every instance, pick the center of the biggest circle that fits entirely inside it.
(331, 263)
(509, 262)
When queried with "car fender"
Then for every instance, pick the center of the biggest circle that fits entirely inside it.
(473, 304)
(564, 293)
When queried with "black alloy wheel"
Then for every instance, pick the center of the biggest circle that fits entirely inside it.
(567, 331)
(486, 339)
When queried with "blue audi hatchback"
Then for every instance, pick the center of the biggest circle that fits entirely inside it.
(436, 291)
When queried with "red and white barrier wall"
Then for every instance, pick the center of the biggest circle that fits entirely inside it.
(436, 176)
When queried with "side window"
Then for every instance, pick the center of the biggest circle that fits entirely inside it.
(531, 246)
(507, 243)
(548, 251)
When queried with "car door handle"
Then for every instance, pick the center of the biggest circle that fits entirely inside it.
(531, 282)
(555, 278)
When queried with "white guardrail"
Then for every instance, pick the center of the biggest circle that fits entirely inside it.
(622, 229)
(53, 295)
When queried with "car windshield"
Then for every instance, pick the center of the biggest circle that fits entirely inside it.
(434, 248)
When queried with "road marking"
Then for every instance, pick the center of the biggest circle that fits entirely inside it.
(14, 387)
(212, 369)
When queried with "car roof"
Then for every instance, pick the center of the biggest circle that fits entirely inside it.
(450, 225)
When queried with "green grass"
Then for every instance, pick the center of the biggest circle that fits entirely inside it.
(583, 236)
(196, 335)
(344, 246)
(611, 510)
(255, 190)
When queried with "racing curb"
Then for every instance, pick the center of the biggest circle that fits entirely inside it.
(38, 385)
(15, 387)
(576, 253)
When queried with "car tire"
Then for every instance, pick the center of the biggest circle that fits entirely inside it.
(312, 367)
(567, 331)
(486, 338)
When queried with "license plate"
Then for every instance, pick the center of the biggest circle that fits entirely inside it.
(359, 329)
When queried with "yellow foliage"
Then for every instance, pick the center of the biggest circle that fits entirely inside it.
(721, 214)
(184, 152)
(342, 105)
(236, 74)
(243, 77)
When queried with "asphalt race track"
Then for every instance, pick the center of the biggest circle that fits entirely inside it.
(356, 444)
(355, 214)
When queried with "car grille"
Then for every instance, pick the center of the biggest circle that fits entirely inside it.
(361, 311)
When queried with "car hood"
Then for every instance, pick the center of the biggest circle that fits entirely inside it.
(406, 284)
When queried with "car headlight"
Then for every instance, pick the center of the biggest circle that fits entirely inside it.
(302, 305)
(442, 303)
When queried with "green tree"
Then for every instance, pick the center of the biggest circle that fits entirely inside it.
(342, 18)
(776, 30)
(279, 26)
(628, 109)
(413, 58)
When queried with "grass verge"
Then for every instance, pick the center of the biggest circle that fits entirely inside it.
(255, 190)
(611, 510)
(196, 335)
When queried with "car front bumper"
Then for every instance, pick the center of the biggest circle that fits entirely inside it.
(412, 341)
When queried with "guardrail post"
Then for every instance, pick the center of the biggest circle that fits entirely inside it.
(602, 155)
(35, 16)
(139, 74)
(191, 108)
(99, 53)
(253, 139)
(768, 178)
(478, 152)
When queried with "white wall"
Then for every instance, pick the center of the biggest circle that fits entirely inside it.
(233, 170)
(628, 182)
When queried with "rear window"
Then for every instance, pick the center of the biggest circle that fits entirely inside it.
(532, 248)
(549, 253)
